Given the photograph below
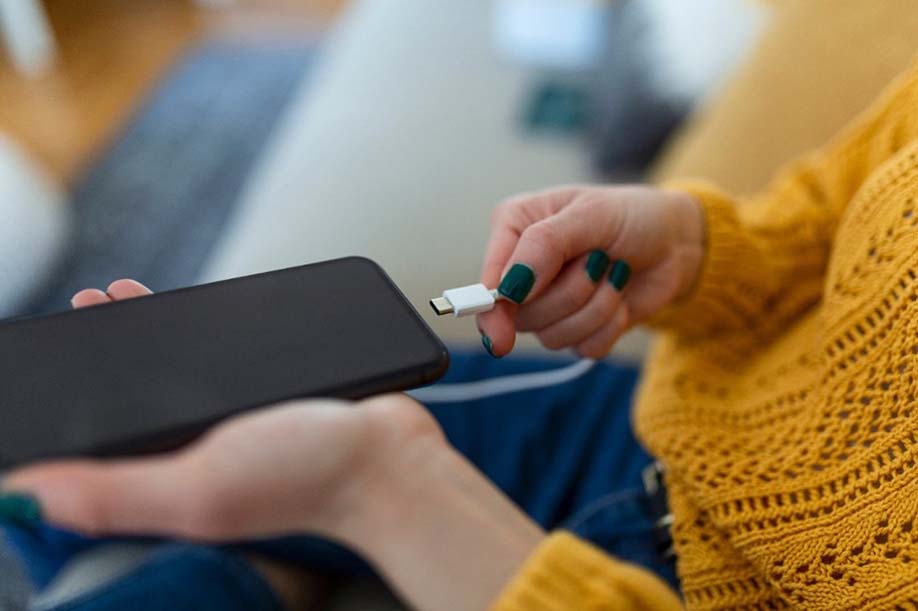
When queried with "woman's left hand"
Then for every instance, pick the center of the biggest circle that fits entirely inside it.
(376, 475)
(283, 469)
(292, 468)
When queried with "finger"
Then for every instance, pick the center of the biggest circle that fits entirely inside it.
(127, 289)
(583, 323)
(498, 329)
(89, 297)
(544, 247)
(570, 291)
(504, 235)
(539, 255)
(599, 344)
(508, 223)
(120, 497)
(511, 218)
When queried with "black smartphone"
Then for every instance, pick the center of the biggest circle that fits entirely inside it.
(152, 373)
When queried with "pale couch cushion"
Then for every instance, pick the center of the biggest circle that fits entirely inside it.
(398, 149)
(34, 224)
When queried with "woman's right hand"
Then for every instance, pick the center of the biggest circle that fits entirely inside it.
(562, 259)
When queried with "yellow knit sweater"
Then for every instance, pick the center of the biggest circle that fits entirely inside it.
(783, 397)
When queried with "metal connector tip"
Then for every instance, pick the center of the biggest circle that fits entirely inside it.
(441, 306)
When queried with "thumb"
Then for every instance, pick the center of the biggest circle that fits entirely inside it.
(136, 496)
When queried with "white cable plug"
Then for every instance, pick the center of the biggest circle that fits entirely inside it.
(474, 299)
(465, 300)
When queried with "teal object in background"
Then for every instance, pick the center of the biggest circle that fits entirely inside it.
(557, 106)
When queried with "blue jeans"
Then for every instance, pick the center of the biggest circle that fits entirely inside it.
(565, 454)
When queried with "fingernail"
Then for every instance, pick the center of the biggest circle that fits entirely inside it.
(620, 274)
(596, 265)
(517, 283)
(20, 509)
(486, 342)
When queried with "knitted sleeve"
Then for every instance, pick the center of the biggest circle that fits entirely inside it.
(766, 257)
(568, 574)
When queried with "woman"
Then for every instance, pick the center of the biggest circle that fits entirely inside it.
(779, 402)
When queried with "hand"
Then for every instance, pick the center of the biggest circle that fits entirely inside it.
(376, 475)
(653, 236)
(287, 469)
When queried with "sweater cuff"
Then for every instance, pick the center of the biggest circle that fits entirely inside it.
(566, 573)
(721, 298)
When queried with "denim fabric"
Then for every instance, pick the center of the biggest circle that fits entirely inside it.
(179, 576)
(621, 523)
(565, 454)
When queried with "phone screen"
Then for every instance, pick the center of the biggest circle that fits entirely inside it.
(151, 373)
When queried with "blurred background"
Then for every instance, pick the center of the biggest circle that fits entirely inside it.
(180, 141)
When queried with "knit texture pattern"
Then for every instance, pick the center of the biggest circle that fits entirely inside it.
(566, 573)
(782, 396)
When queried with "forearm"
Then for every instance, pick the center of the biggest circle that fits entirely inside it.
(438, 531)
(445, 538)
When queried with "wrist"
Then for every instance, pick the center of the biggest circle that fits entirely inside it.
(390, 479)
(688, 239)
(394, 432)
(430, 523)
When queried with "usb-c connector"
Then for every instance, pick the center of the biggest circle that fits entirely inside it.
(465, 301)
(474, 299)
(441, 306)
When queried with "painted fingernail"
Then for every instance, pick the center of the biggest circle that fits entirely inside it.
(486, 342)
(20, 509)
(517, 283)
(596, 265)
(620, 274)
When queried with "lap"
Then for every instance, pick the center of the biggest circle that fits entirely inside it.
(175, 576)
(552, 450)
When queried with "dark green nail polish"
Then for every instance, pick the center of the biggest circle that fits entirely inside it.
(517, 283)
(596, 265)
(620, 274)
(486, 342)
(20, 508)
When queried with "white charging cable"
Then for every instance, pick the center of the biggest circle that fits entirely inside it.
(474, 299)
(501, 385)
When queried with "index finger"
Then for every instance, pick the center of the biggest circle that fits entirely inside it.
(537, 256)
(497, 326)
(509, 222)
